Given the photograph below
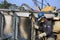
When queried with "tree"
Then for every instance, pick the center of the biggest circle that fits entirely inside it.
(5, 4)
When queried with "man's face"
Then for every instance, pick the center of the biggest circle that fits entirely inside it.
(43, 20)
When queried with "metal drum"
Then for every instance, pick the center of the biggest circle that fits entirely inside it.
(7, 31)
(24, 28)
(56, 26)
(8, 24)
(56, 29)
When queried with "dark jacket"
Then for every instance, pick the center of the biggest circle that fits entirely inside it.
(47, 28)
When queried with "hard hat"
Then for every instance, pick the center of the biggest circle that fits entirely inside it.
(40, 15)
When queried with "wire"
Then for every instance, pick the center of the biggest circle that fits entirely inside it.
(41, 3)
(47, 3)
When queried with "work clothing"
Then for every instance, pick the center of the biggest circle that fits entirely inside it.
(45, 28)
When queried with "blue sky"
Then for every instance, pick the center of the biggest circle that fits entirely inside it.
(31, 4)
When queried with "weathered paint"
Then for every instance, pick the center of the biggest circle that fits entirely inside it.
(56, 26)
(8, 24)
(24, 28)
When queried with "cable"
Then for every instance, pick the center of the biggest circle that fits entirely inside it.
(41, 3)
(35, 2)
(47, 3)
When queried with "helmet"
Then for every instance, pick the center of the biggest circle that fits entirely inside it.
(40, 15)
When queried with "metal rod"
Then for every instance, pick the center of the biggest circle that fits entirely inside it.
(16, 36)
(14, 25)
(32, 28)
(2, 29)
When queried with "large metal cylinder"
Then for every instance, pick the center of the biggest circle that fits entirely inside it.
(56, 29)
(56, 26)
(8, 24)
(24, 28)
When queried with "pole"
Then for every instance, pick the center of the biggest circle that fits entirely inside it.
(2, 28)
(15, 27)
(42, 5)
(32, 28)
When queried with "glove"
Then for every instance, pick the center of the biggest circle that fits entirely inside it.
(41, 35)
(36, 27)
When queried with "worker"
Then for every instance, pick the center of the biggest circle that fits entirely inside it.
(45, 27)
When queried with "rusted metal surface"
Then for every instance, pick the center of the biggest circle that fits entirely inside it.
(8, 24)
(24, 28)
(56, 26)
(1, 25)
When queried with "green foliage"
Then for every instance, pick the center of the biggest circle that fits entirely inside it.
(5, 4)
